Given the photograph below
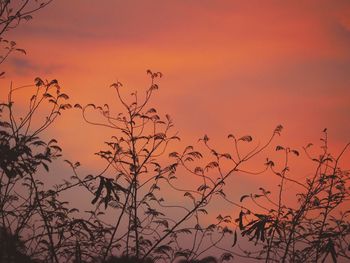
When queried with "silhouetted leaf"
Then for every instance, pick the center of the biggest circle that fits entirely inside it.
(246, 138)
(21, 50)
(38, 82)
(243, 197)
(99, 190)
(234, 239)
(278, 129)
(231, 136)
(295, 152)
(241, 226)
(226, 257)
(45, 166)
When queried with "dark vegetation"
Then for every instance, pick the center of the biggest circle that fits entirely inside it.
(140, 211)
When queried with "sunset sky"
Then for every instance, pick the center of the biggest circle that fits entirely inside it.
(239, 67)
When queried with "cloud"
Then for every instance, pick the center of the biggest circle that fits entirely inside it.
(341, 35)
(27, 67)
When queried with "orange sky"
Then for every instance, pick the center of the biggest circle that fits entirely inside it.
(229, 66)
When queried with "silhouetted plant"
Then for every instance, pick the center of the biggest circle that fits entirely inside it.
(208, 259)
(135, 190)
(25, 207)
(317, 227)
(124, 259)
(12, 13)
(40, 226)
(12, 249)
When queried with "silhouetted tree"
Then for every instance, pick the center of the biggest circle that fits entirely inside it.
(135, 190)
(40, 226)
(12, 13)
(317, 227)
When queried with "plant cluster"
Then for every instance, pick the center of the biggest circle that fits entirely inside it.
(132, 213)
(142, 208)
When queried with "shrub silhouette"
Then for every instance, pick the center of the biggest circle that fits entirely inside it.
(125, 259)
(12, 249)
(141, 138)
(142, 230)
(316, 229)
(133, 215)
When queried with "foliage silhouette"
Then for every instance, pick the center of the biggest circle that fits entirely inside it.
(25, 206)
(131, 219)
(13, 13)
(11, 249)
(136, 188)
(141, 209)
(131, 215)
(316, 229)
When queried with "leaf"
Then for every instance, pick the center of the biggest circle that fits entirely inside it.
(202, 187)
(151, 110)
(175, 138)
(278, 129)
(163, 249)
(243, 197)
(198, 170)
(188, 148)
(203, 211)
(21, 50)
(38, 82)
(91, 105)
(116, 85)
(64, 96)
(53, 82)
(226, 257)
(231, 136)
(196, 154)
(45, 166)
(309, 145)
(279, 148)
(162, 222)
(47, 95)
(184, 231)
(269, 163)
(57, 148)
(241, 226)
(227, 156)
(109, 187)
(234, 239)
(99, 190)
(211, 165)
(189, 195)
(160, 136)
(65, 106)
(154, 87)
(27, 17)
(246, 138)
(295, 152)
